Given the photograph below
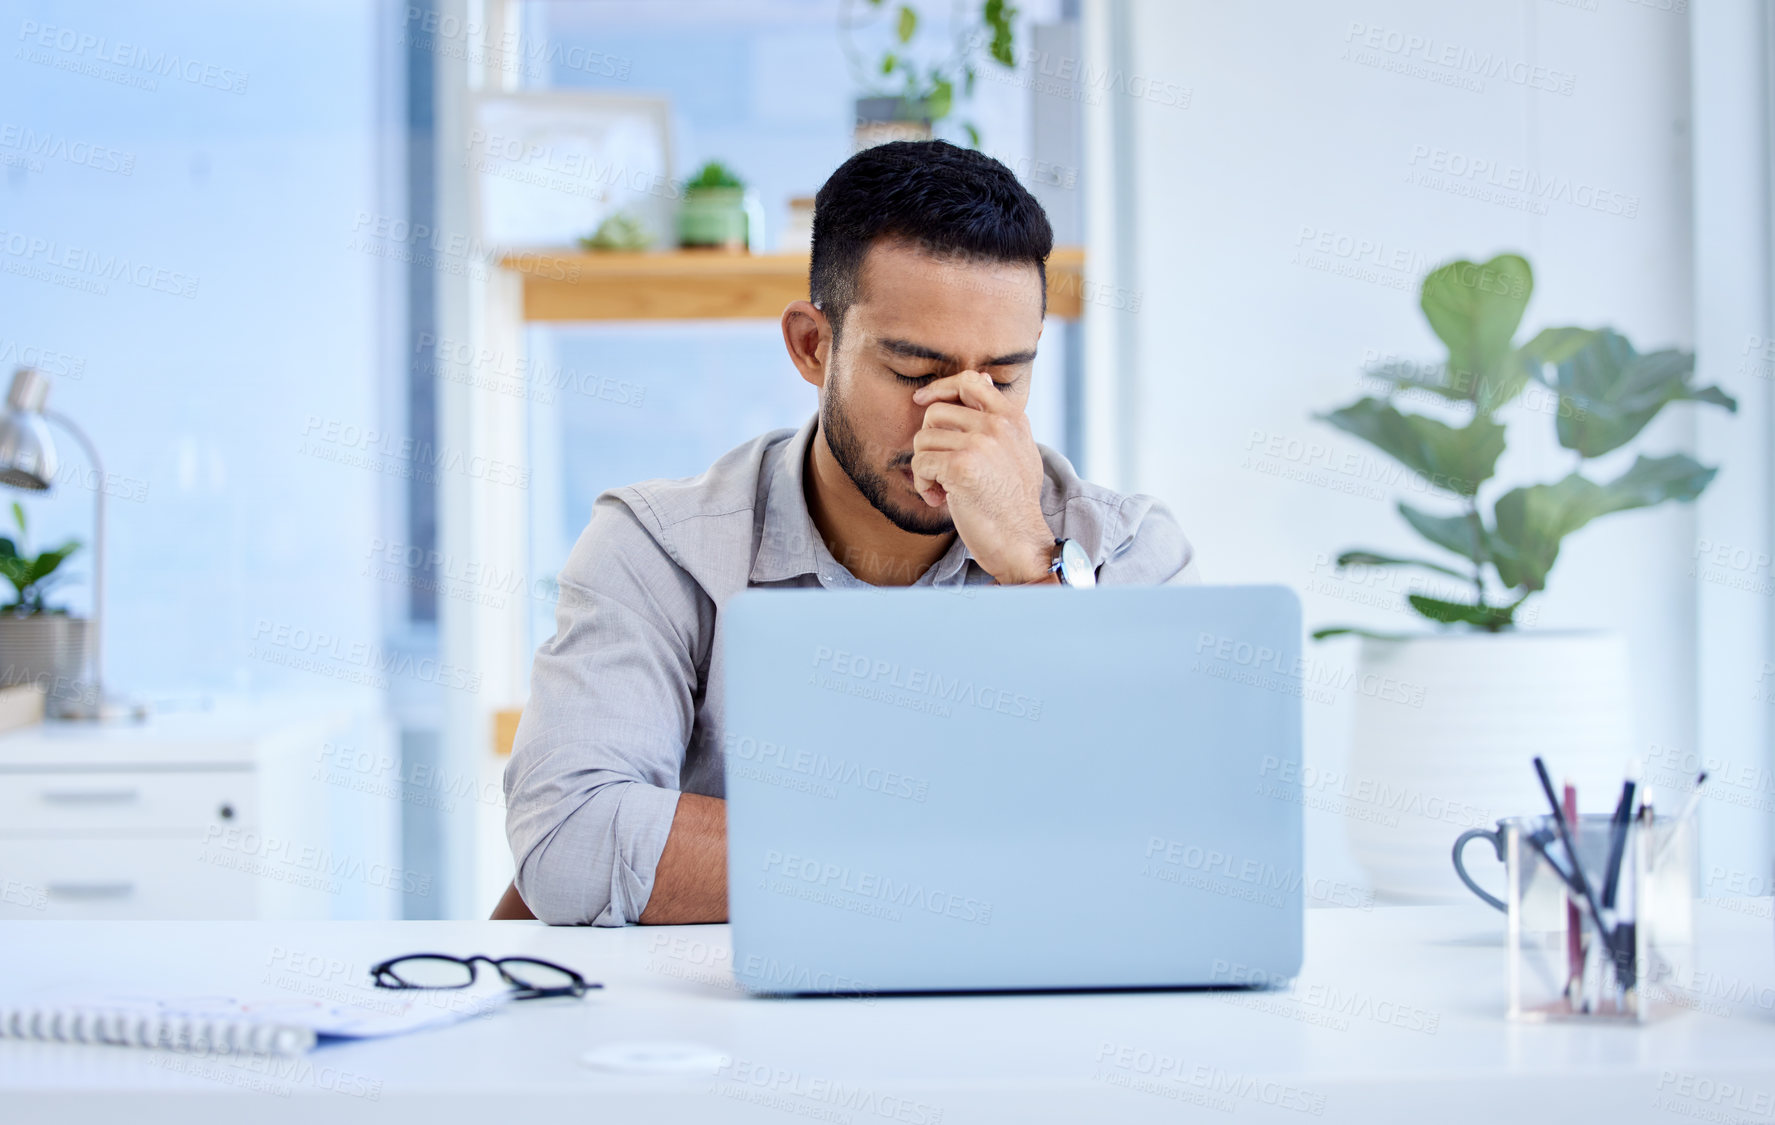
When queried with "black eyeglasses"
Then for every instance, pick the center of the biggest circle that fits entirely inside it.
(530, 978)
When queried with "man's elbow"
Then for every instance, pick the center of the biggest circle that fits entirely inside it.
(565, 897)
(594, 865)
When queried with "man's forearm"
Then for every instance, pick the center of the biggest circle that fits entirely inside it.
(690, 883)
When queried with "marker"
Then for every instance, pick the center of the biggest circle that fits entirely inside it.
(1618, 833)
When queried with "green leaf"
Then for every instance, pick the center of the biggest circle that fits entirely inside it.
(967, 85)
(1475, 309)
(1455, 460)
(714, 174)
(1491, 617)
(908, 24)
(1532, 521)
(1609, 392)
(942, 97)
(888, 62)
(998, 16)
(1556, 345)
(1355, 631)
(17, 572)
(18, 514)
(973, 134)
(1409, 376)
(8, 549)
(1550, 346)
(1653, 480)
(1374, 558)
(1452, 533)
(44, 565)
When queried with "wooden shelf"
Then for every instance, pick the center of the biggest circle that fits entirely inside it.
(703, 284)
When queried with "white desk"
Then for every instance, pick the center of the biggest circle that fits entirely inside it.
(1397, 1017)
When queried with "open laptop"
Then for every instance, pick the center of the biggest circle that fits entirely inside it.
(984, 788)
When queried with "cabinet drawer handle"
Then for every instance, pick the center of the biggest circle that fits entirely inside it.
(91, 796)
(90, 892)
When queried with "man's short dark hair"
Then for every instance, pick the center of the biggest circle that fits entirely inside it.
(949, 201)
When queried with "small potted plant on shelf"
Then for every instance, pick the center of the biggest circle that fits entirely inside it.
(621, 231)
(39, 643)
(713, 212)
(1477, 696)
(927, 91)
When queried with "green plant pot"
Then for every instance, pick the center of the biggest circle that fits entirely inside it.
(713, 217)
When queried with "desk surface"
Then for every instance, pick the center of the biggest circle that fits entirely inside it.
(1397, 1016)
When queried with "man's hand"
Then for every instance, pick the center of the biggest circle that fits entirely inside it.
(976, 452)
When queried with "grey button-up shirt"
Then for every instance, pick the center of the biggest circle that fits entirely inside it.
(625, 698)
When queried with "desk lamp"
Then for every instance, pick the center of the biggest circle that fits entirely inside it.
(28, 461)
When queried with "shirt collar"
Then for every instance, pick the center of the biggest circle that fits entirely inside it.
(786, 540)
(789, 545)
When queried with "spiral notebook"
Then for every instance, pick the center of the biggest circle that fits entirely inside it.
(224, 1025)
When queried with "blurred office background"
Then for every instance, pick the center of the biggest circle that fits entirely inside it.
(265, 255)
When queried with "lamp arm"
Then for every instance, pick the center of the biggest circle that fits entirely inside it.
(98, 553)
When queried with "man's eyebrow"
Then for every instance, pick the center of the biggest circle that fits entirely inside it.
(919, 351)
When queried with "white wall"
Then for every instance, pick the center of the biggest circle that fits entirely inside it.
(1298, 163)
(1735, 580)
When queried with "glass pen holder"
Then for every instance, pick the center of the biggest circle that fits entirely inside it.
(1610, 954)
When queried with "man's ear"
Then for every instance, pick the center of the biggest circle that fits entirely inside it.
(808, 336)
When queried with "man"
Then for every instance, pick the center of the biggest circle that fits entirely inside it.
(929, 285)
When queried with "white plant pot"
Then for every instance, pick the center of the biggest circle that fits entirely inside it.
(1458, 751)
(49, 650)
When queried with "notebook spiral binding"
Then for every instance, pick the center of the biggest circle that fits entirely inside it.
(167, 1032)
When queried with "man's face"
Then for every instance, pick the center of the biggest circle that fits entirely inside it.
(916, 319)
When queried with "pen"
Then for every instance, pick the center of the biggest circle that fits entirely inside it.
(1565, 838)
(1574, 922)
(1627, 929)
(1620, 920)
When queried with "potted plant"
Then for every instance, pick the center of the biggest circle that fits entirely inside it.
(712, 214)
(1454, 751)
(926, 93)
(622, 231)
(39, 643)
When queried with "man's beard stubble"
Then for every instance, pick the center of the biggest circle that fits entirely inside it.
(849, 451)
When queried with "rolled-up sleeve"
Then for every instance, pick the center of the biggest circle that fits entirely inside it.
(1151, 549)
(592, 785)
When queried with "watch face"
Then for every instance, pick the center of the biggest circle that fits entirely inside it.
(1075, 565)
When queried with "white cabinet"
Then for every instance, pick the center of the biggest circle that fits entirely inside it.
(239, 812)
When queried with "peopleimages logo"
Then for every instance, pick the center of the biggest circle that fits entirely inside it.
(89, 270)
(833, 877)
(883, 674)
(1265, 667)
(312, 650)
(85, 53)
(819, 767)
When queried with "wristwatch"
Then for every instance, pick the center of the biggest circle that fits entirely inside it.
(1072, 564)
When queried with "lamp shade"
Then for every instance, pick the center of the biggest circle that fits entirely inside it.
(27, 452)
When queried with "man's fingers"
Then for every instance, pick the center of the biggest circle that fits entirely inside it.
(937, 438)
(978, 391)
(973, 389)
(954, 416)
(928, 468)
